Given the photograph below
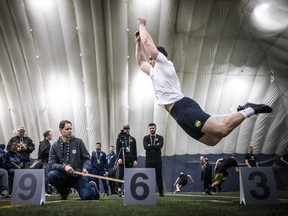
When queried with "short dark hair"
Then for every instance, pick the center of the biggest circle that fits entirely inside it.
(162, 50)
(63, 122)
(45, 134)
(152, 124)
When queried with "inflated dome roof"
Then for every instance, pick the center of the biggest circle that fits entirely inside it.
(74, 59)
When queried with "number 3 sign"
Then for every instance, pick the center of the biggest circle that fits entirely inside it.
(139, 186)
(28, 187)
(257, 186)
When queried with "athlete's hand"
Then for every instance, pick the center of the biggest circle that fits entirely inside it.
(142, 21)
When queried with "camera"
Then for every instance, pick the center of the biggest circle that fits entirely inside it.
(123, 138)
(123, 134)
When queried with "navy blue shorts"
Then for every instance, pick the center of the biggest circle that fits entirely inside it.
(189, 115)
(182, 182)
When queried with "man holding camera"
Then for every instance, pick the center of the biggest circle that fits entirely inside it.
(26, 145)
(126, 150)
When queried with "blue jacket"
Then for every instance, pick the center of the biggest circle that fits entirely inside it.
(111, 160)
(10, 157)
(98, 162)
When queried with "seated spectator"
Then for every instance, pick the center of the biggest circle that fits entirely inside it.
(12, 160)
(4, 186)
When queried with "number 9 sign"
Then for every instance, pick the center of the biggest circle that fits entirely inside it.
(139, 186)
(257, 186)
(28, 187)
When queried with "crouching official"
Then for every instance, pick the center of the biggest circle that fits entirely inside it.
(69, 154)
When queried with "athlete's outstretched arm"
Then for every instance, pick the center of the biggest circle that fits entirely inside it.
(139, 55)
(146, 39)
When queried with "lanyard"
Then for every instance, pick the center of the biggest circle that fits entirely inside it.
(67, 152)
(110, 156)
(153, 143)
(98, 158)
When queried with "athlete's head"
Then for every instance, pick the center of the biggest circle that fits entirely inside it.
(162, 50)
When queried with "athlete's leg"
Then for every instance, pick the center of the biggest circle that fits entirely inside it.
(215, 130)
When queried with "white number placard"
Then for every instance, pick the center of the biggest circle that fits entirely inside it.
(28, 187)
(257, 186)
(139, 186)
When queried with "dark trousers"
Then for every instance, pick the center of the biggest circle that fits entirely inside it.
(11, 173)
(128, 164)
(63, 182)
(112, 184)
(97, 180)
(157, 164)
(46, 171)
(207, 182)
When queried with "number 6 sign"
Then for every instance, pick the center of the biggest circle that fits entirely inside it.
(28, 187)
(139, 186)
(257, 186)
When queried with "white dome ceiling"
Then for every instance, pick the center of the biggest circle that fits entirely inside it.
(74, 59)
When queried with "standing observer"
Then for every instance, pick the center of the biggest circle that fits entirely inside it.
(153, 144)
(250, 158)
(126, 150)
(67, 155)
(99, 167)
(44, 146)
(111, 168)
(206, 174)
(26, 145)
(284, 159)
(43, 155)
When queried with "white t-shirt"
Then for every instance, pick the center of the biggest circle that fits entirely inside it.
(165, 81)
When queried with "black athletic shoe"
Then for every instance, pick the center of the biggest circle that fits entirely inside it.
(207, 192)
(239, 108)
(93, 184)
(258, 108)
(97, 197)
(119, 194)
(63, 197)
(65, 194)
(5, 194)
